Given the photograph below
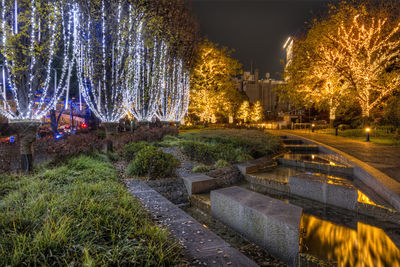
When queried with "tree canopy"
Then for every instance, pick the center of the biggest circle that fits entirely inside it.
(352, 53)
(213, 90)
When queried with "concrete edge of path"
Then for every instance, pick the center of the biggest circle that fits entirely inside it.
(201, 246)
(385, 186)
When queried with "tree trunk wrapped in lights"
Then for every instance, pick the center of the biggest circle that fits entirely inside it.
(148, 78)
(35, 43)
(106, 40)
(174, 95)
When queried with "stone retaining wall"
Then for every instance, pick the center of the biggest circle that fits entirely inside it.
(270, 223)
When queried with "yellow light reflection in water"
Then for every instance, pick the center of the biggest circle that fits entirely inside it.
(364, 199)
(366, 246)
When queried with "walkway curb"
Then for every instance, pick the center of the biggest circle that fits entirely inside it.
(202, 246)
(385, 186)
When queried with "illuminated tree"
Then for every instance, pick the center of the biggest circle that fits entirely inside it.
(174, 94)
(366, 48)
(312, 82)
(205, 104)
(244, 112)
(149, 68)
(35, 43)
(106, 39)
(352, 53)
(213, 91)
(257, 112)
(173, 23)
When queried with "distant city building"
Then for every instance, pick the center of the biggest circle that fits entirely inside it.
(263, 90)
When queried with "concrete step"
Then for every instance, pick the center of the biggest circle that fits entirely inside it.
(317, 163)
(197, 183)
(340, 193)
(268, 222)
(256, 165)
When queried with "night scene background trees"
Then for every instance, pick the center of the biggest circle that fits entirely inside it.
(138, 60)
(348, 59)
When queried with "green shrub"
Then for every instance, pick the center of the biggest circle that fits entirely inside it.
(153, 163)
(225, 151)
(169, 141)
(243, 157)
(130, 150)
(222, 163)
(8, 183)
(198, 151)
(78, 214)
(200, 168)
(112, 156)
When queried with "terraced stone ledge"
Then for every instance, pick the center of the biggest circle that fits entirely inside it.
(385, 186)
(268, 222)
(322, 167)
(256, 165)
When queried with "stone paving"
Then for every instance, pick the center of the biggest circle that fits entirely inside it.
(202, 247)
(384, 158)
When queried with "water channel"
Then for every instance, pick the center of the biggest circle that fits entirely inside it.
(332, 234)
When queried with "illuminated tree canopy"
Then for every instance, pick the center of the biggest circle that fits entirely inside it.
(213, 91)
(103, 49)
(244, 111)
(36, 42)
(257, 112)
(127, 65)
(353, 53)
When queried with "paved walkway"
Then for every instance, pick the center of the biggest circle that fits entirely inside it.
(384, 158)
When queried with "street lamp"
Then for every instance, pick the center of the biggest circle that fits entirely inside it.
(312, 127)
(368, 130)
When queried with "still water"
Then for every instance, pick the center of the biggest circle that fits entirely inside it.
(363, 246)
(357, 244)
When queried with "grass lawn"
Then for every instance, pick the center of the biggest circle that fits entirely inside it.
(78, 214)
(378, 136)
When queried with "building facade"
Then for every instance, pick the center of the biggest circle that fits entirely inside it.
(263, 90)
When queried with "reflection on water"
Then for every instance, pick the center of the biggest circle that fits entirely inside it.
(365, 246)
(281, 174)
(278, 174)
(314, 158)
(362, 198)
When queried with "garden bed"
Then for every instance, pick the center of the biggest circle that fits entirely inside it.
(78, 214)
(225, 146)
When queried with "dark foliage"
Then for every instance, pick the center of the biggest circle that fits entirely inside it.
(74, 145)
(148, 135)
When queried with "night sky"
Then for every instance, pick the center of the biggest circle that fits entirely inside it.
(256, 29)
